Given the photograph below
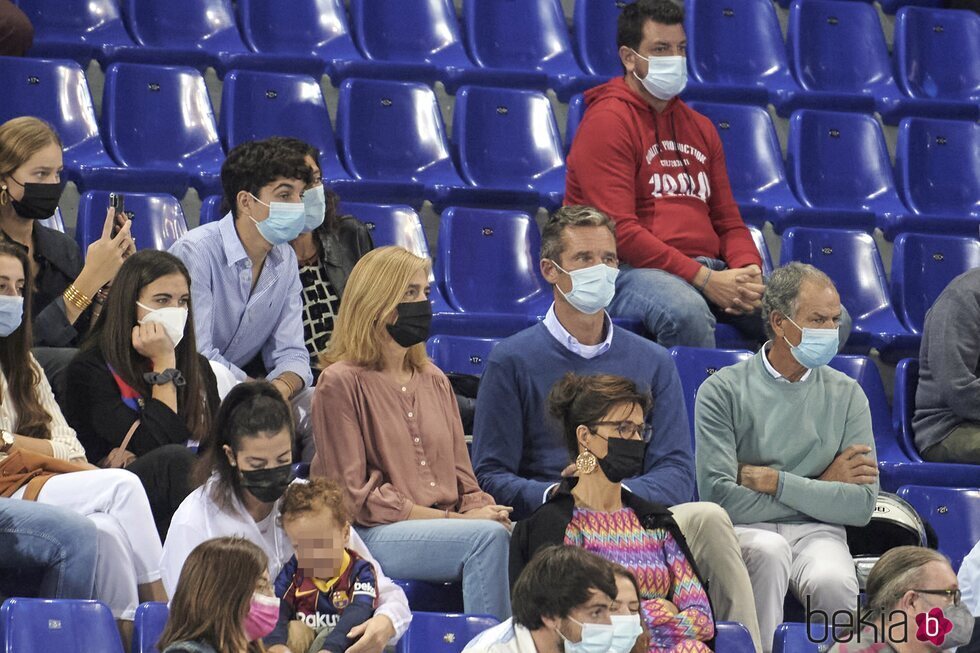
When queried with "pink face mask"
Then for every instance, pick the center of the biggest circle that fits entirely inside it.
(263, 613)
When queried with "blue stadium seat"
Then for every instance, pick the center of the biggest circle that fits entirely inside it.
(938, 174)
(407, 160)
(576, 109)
(852, 260)
(256, 105)
(735, 53)
(839, 57)
(509, 146)
(211, 209)
(148, 625)
(733, 637)
(301, 470)
(941, 86)
(159, 121)
(315, 32)
(792, 638)
(66, 626)
(837, 162)
(433, 632)
(760, 243)
(158, 220)
(695, 365)
(892, 6)
(595, 36)
(755, 165)
(432, 597)
(56, 221)
(529, 36)
(922, 267)
(76, 29)
(390, 225)
(953, 512)
(461, 354)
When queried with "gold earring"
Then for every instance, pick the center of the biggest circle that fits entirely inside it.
(4, 195)
(586, 462)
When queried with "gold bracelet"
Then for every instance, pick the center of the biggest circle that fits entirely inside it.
(77, 298)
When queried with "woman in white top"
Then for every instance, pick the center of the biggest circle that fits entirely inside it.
(128, 563)
(247, 466)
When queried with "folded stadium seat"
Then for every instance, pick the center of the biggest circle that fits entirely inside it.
(594, 32)
(892, 6)
(508, 145)
(837, 162)
(525, 36)
(838, 55)
(76, 29)
(735, 53)
(852, 261)
(922, 267)
(56, 221)
(197, 33)
(211, 209)
(432, 632)
(63, 625)
(733, 637)
(158, 221)
(158, 121)
(940, 85)
(938, 174)
(148, 625)
(953, 512)
(760, 243)
(432, 597)
(56, 91)
(461, 354)
(793, 638)
(576, 110)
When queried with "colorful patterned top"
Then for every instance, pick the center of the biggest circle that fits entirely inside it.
(662, 572)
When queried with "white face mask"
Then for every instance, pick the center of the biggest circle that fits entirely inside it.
(173, 319)
(666, 76)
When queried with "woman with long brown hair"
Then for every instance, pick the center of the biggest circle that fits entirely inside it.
(224, 602)
(140, 369)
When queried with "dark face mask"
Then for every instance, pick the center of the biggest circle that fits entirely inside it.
(624, 459)
(39, 201)
(266, 485)
(412, 327)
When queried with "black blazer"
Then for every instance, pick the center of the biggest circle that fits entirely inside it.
(342, 249)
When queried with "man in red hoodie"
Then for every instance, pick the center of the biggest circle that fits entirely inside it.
(657, 168)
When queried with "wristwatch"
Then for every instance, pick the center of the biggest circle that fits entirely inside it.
(166, 376)
(8, 440)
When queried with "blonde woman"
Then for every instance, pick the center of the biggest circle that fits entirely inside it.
(387, 428)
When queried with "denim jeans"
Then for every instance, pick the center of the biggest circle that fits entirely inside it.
(475, 551)
(56, 541)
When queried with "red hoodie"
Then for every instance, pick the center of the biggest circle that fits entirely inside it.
(661, 177)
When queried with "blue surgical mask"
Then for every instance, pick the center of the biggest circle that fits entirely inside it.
(315, 206)
(626, 628)
(817, 348)
(11, 314)
(285, 221)
(596, 638)
(666, 76)
(592, 288)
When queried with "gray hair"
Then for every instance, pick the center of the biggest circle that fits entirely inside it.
(570, 216)
(782, 293)
(896, 572)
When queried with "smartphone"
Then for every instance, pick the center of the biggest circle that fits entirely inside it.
(117, 202)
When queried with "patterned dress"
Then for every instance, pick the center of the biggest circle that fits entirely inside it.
(662, 572)
(320, 307)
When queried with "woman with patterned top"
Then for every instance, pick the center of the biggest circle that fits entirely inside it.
(602, 418)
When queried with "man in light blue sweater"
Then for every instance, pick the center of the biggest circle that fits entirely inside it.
(784, 444)
(518, 453)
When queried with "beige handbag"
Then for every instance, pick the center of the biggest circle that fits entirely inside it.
(120, 457)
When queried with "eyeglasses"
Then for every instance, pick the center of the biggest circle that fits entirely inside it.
(952, 595)
(629, 430)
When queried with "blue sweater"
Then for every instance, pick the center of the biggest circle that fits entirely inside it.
(518, 448)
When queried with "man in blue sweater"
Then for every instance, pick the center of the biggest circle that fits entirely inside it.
(518, 453)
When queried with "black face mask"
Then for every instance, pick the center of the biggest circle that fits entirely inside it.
(267, 485)
(39, 201)
(412, 327)
(624, 459)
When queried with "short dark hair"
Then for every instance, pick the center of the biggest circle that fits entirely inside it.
(629, 27)
(255, 164)
(331, 217)
(556, 581)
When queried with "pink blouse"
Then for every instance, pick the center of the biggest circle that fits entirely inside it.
(393, 446)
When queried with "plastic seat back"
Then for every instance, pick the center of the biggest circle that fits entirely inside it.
(308, 26)
(66, 626)
(695, 365)
(205, 24)
(211, 209)
(862, 369)
(595, 36)
(461, 354)
(937, 166)
(733, 637)
(148, 625)
(903, 399)
(432, 632)
(576, 110)
(71, 27)
(158, 220)
(391, 225)
(488, 262)
(922, 267)
(416, 31)
(159, 117)
(793, 638)
(924, 39)
(760, 244)
(953, 512)
(518, 34)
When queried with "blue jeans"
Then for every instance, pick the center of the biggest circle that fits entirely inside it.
(475, 551)
(57, 541)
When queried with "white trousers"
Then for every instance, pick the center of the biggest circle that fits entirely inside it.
(129, 547)
(812, 560)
